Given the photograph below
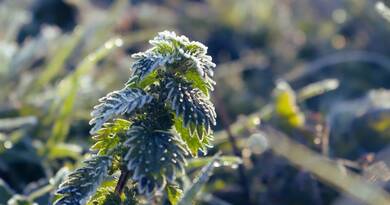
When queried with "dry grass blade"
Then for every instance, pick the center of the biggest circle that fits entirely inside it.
(325, 169)
(317, 88)
(68, 88)
(58, 61)
(383, 10)
(190, 195)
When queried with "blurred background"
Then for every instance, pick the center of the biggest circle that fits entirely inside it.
(314, 73)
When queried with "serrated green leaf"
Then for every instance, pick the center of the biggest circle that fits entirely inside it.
(154, 157)
(109, 136)
(193, 142)
(150, 79)
(105, 196)
(117, 103)
(59, 176)
(112, 199)
(191, 105)
(83, 182)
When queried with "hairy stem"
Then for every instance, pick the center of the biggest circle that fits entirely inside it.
(122, 181)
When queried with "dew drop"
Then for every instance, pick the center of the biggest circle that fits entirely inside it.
(91, 57)
(8, 144)
(217, 164)
(234, 166)
(118, 42)
(108, 45)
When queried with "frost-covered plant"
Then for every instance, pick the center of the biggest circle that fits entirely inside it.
(146, 130)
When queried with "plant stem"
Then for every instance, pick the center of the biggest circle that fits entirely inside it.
(122, 181)
(40, 192)
(225, 119)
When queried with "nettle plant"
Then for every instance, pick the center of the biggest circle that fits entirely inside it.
(145, 131)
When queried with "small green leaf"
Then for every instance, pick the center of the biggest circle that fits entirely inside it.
(108, 137)
(136, 82)
(174, 193)
(175, 52)
(105, 196)
(286, 108)
(150, 79)
(197, 81)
